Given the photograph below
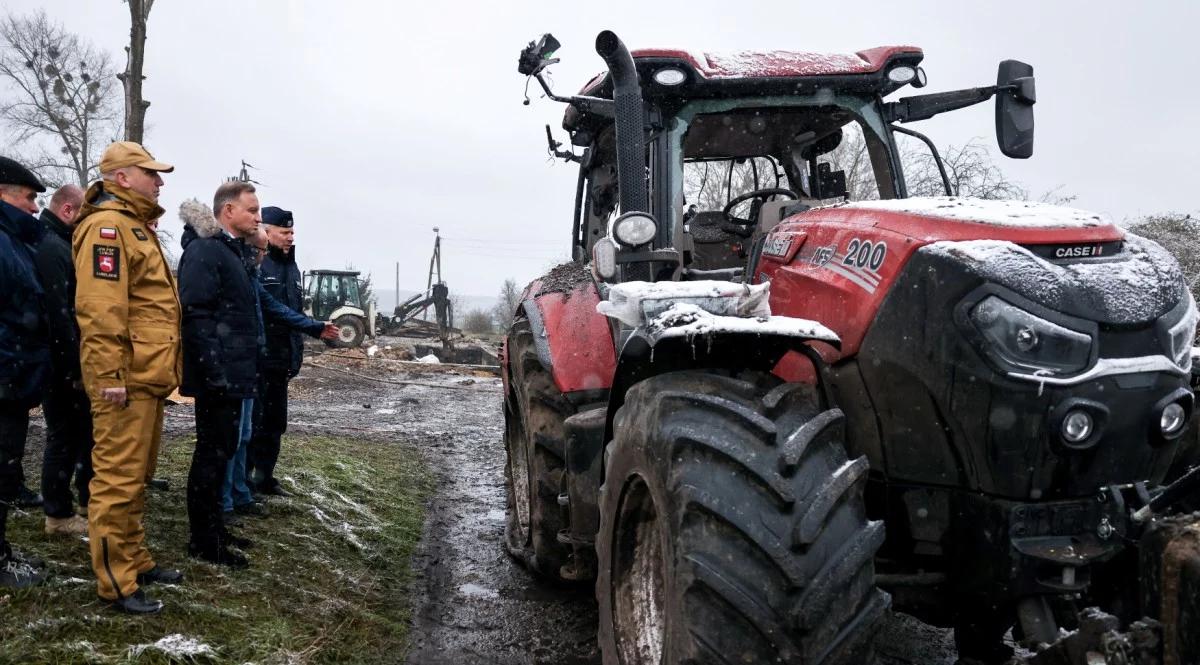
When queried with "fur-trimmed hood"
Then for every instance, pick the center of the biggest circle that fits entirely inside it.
(198, 221)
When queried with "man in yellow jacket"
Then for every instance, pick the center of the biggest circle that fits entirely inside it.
(127, 306)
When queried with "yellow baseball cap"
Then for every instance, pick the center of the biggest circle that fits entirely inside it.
(127, 153)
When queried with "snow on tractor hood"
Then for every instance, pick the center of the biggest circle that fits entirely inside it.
(690, 309)
(1024, 214)
(1137, 286)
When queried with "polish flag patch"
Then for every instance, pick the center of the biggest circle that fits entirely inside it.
(108, 233)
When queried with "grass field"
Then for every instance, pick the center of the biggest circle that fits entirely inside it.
(328, 581)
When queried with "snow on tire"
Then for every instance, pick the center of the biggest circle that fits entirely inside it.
(733, 528)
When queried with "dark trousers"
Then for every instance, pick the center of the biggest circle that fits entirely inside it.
(68, 449)
(269, 425)
(217, 420)
(14, 426)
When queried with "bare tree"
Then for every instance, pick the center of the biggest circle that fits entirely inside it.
(1179, 234)
(58, 100)
(970, 167)
(478, 322)
(131, 78)
(510, 299)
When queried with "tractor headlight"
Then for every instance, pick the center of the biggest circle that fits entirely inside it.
(1019, 341)
(1183, 336)
(1172, 419)
(604, 258)
(634, 228)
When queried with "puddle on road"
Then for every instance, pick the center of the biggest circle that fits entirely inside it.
(475, 591)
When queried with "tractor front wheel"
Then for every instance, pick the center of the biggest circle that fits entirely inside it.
(733, 528)
(534, 440)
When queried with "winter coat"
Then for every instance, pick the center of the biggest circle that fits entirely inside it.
(222, 320)
(220, 312)
(126, 302)
(24, 352)
(281, 278)
(56, 271)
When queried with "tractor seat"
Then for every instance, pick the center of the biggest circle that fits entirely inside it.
(714, 247)
(706, 228)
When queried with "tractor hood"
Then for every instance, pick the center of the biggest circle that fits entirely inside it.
(1069, 260)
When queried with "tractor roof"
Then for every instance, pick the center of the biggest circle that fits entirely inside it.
(334, 272)
(756, 74)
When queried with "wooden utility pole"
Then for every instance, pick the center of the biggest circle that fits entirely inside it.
(131, 78)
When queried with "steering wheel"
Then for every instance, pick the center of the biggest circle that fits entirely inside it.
(763, 194)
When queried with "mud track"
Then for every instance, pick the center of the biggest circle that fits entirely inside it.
(472, 604)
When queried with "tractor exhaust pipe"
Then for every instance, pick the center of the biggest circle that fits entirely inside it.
(630, 121)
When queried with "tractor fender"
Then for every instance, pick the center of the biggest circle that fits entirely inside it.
(573, 342)
(714, 342)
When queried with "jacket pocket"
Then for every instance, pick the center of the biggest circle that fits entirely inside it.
(154, 361)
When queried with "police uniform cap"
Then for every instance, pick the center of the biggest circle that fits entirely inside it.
(277, 217)
(12, 173)
(121, 154)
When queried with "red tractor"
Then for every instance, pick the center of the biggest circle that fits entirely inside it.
(765, 352)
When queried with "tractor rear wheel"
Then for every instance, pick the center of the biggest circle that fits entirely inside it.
(534, 440)
(733, 528)
(350, 332)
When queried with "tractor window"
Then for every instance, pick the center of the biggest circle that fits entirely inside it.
(743, 167)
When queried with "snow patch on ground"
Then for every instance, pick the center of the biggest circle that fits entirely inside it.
(1026, 214)
(175, 646)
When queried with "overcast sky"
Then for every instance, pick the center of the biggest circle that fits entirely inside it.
(376, 121)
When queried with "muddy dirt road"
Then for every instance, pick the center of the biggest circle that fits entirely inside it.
(471, 602)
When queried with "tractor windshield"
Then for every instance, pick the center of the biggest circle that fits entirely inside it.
(743, 166)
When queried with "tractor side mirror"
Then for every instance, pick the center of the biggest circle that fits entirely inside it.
(1014, 109)
(308, 302)
(538, 55)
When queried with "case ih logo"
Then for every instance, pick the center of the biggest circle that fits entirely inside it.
(1078, 251)
(778, 246)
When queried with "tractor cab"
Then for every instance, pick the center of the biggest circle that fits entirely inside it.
(730, 144)
(334, 295)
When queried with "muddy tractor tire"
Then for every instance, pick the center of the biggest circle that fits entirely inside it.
(350, 333)
(733, 528)
(534, 442)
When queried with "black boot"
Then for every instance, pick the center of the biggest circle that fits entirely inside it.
(27, 498)
(159, 575)
(137, 603)
(15, 573)
(270, 486)
(222, 556)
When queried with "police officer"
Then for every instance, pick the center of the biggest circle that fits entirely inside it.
(284, 351)
(24, 353)
(65, 407)
(127, 306)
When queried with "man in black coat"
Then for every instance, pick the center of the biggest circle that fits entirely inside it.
(284, 351)
(24, 353)
(222, 335)
(65, 407)
(220, 356)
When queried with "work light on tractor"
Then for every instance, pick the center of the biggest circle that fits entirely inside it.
(776, 395)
